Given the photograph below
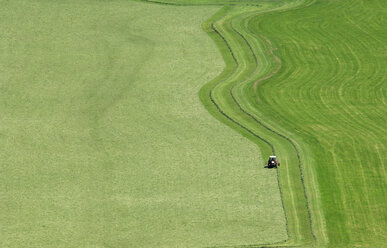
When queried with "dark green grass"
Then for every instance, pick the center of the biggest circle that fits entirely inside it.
(331, 99)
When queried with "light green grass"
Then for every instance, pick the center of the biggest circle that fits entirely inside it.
(104, 141)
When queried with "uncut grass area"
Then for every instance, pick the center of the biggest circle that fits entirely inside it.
(104, 141)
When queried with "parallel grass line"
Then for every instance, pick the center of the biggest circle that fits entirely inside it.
(255, 119)
(279, 134)
(276, 58)
(232, 55)
(343, 65)
(251, 132)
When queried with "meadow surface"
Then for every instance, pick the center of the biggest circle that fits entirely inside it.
(104, 141)
(330, 101)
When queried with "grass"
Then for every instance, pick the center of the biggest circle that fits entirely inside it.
(104, 141)
(243, 67)
(331, 103)
(306, 80)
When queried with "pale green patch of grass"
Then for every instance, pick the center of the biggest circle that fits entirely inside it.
(104, 141)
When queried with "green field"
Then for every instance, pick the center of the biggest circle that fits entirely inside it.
(108, 136)
(104, 140)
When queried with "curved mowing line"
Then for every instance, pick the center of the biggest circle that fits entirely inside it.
(266, 127)
(252, 133)
(259, 137)
(199, 4)
(217, 106)
(300, 166)
(212, 4)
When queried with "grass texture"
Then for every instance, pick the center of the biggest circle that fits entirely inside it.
(306, 80)
(104, 141)
(330, 101)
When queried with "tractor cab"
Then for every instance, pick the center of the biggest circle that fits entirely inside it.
(272, 162)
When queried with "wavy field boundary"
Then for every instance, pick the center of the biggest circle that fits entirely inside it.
(243, 66)
(317, 201)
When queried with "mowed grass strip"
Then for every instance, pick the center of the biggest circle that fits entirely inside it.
(104, 141)
(247, 61)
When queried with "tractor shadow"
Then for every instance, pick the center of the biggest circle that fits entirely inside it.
(267, 167)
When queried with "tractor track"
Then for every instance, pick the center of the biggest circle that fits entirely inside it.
(261, 138)
(249, 131)
(187, 4)
(300, 165)
(208, 4)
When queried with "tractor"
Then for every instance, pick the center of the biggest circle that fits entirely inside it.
(272, 162)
